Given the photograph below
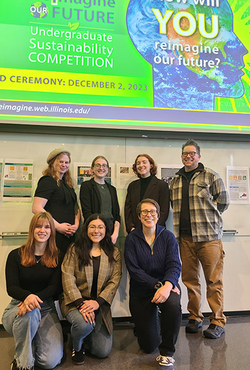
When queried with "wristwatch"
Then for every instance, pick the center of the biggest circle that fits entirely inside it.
(158, 285)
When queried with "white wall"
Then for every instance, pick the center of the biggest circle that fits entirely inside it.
(217, 155)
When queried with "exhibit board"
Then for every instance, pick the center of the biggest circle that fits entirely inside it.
(15, 216)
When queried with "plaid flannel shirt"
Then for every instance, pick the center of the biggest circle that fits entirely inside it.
(208, 198)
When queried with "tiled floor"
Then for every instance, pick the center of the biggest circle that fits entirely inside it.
(193, 352)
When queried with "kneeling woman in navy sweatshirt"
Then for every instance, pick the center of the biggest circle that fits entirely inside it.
(152, 259)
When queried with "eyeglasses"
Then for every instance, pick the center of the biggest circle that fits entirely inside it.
(144, 212)
(98, 165)
(100, 227)
(185, 154)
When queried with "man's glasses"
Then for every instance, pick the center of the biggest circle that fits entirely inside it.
(191, 154)
(144, 212)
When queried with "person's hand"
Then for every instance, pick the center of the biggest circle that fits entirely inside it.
(87, 310)
(176, 290)
(114, 237)
(72, 229)
(162, 294)
(89, 306)
(22, 309)
(31, 302)
(88, 316)
(64, 228)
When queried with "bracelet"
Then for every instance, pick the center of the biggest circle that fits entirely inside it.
(158, 285)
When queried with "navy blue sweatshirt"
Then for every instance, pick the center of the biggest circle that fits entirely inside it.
(146, 267)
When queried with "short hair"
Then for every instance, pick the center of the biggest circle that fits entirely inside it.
(153, 169)
(95, 159)
(148, 200)
(193, 143)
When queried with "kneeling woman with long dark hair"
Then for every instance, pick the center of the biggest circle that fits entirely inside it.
(33, 277)
(91, 273)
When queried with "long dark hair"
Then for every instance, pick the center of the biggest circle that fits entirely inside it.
(83, 245)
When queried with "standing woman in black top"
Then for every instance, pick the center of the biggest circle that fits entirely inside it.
(33, 278)
(56, 195)
(98, 196)
(148, 186)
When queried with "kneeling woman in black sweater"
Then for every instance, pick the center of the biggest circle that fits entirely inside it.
(33, 278)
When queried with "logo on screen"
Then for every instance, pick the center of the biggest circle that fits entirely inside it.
(39, 10)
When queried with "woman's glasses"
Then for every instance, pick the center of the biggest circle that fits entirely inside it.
(97, 165)
(100, 228)
(144, 212)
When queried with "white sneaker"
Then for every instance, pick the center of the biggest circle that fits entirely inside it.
(166, 361)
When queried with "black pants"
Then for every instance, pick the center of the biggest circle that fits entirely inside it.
(151, 320)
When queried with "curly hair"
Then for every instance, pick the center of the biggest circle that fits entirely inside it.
(153, 169)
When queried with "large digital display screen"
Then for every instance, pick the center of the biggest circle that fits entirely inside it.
(154, 64)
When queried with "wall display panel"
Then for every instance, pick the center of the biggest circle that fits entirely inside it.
(218, 155)
(156, 64)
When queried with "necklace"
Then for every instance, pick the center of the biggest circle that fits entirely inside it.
(38, 259)
(102, 186)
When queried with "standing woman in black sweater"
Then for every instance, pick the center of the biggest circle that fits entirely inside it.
(148, 186)
(98, 196)
(33, 278)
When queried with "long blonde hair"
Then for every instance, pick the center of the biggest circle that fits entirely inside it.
(51, 171)
(27, 250)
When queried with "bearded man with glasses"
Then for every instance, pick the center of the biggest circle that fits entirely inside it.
(198, 198)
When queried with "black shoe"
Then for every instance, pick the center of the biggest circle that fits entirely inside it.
(13, 366)
(193, 326)
(78, 357)
(213, 331)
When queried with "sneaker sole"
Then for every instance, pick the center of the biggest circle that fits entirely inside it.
(188, 330)
(211, 336)
(78, 363)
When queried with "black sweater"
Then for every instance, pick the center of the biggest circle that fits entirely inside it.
(38, 279)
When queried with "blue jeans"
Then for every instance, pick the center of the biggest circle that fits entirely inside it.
(38, 335)
(95, 336)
